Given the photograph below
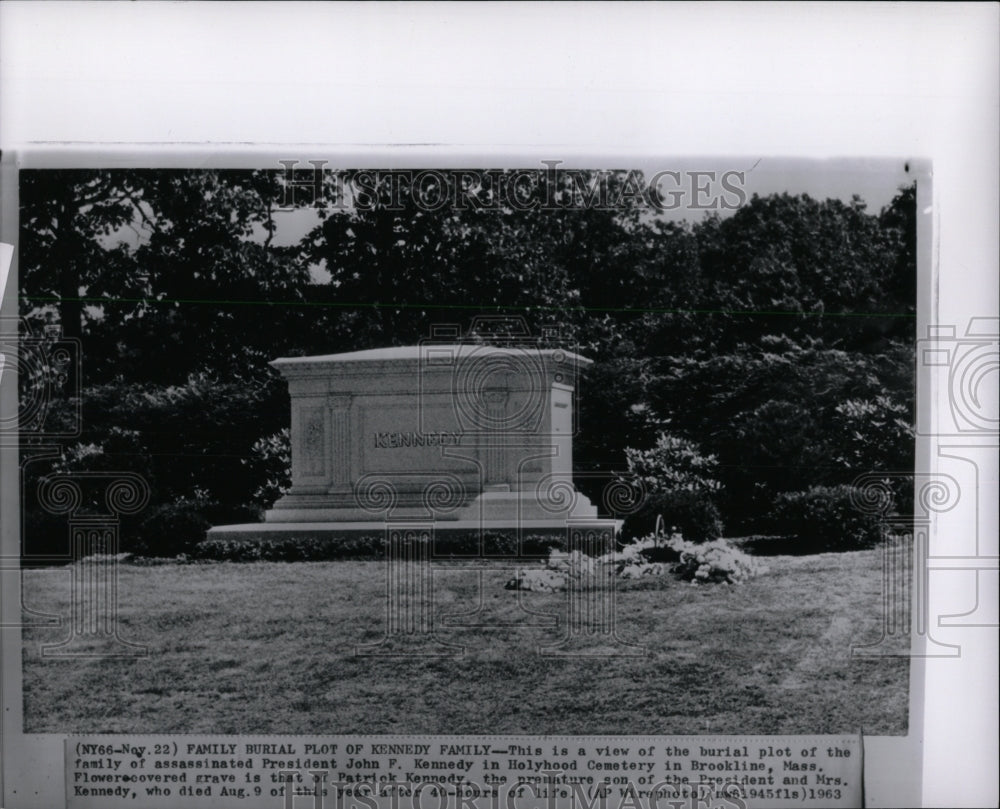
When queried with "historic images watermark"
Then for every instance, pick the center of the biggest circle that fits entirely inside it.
(514, 410)
(93, 503)
(49, 373)
(48, 368)
(906, 556)
(962, 363)
(961, 419)
(548, 188)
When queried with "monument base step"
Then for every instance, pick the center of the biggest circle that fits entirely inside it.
(275, 530)
(495, 507)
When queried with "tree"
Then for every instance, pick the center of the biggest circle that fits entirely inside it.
(160, 272)
(402, 265)
(775, 340)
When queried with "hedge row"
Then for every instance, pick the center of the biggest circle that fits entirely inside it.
(306, 547)
(822, 519)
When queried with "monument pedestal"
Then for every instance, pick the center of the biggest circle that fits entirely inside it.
(466, 436)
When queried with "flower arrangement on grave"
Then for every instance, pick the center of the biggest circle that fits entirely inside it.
(715, 562)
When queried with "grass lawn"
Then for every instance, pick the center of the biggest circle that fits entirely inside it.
(270, 648)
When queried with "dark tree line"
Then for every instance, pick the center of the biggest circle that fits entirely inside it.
(774, 345)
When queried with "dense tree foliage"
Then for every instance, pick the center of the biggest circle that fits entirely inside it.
(777, 341)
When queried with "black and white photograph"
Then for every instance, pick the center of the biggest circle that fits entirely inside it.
(578, 451)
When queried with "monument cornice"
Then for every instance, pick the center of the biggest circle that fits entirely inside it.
(427, 359)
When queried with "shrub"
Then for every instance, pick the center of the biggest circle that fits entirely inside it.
(270, 462)
(674, 465)
(692, 513)
(171, 529)
(824, 519)
(874, 433)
